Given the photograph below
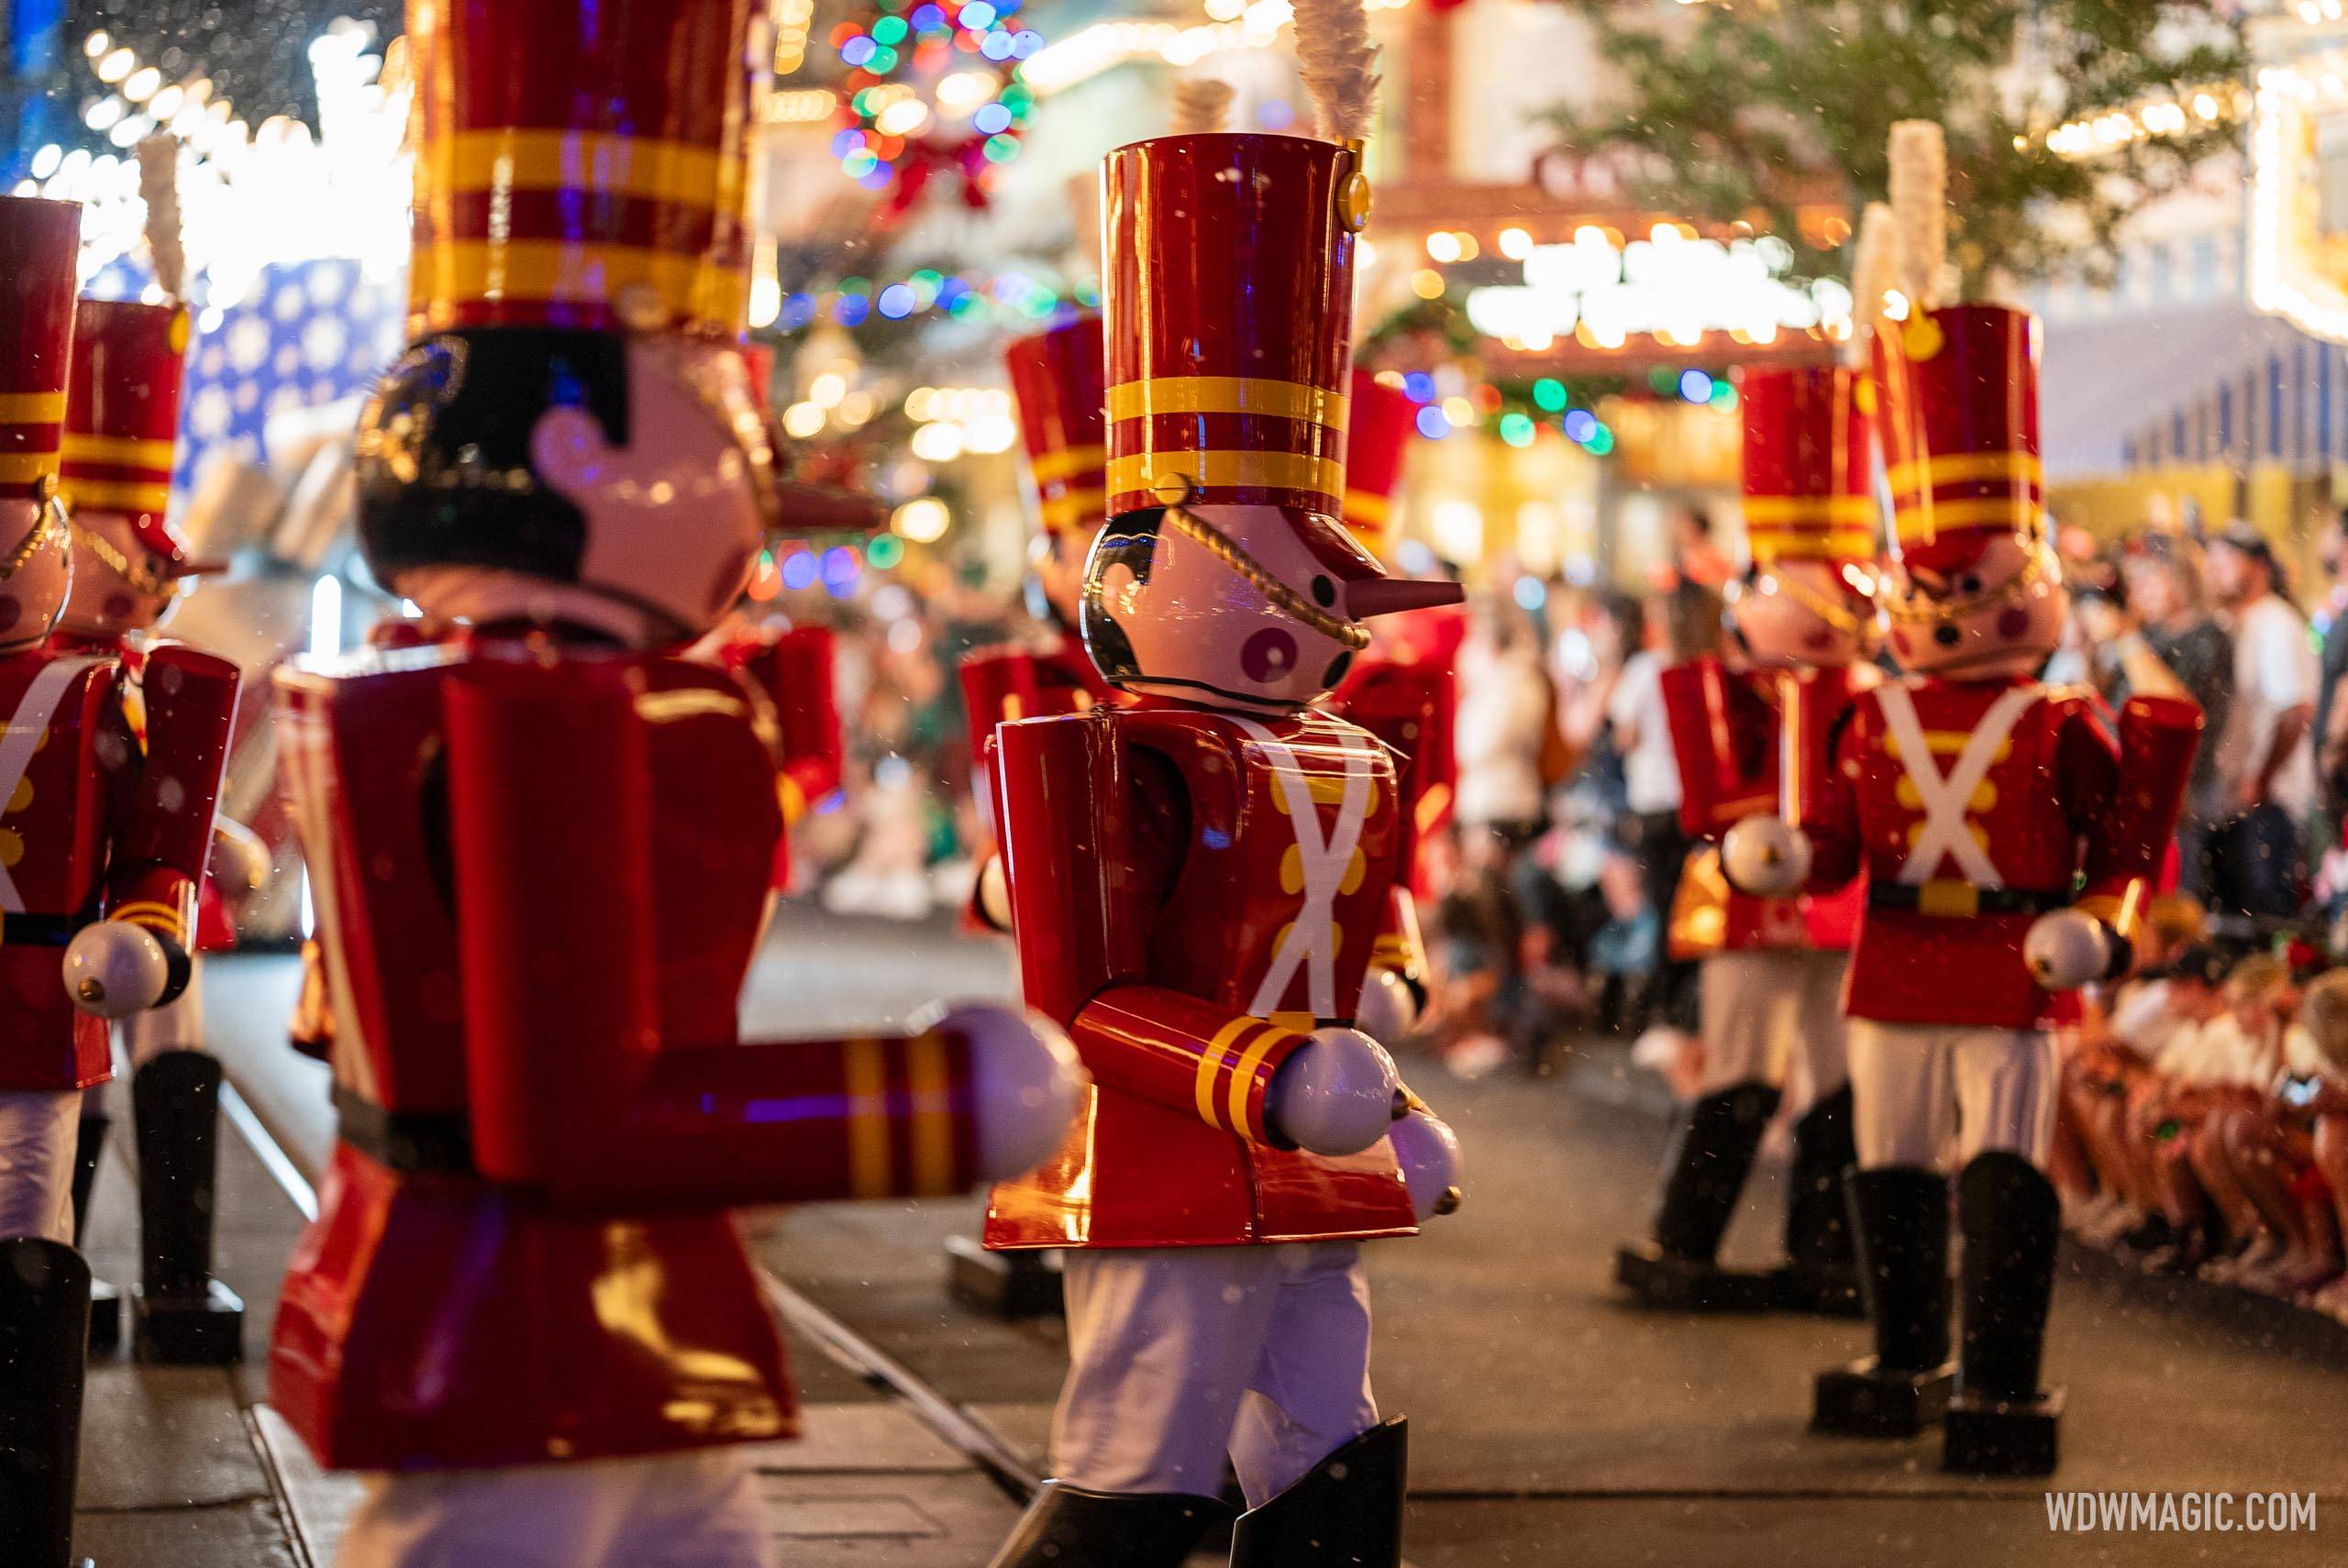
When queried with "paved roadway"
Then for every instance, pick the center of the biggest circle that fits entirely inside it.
(1549, 1425)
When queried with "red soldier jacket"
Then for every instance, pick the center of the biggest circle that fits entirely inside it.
(1728, 738)
(1411, 707)
(1973, 807)
(1191, 892)
(1012, 680)
(540, 874)
(97, 821)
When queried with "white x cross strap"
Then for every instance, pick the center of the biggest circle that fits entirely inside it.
(1311, 941)
(26, 727)
(1945, 795)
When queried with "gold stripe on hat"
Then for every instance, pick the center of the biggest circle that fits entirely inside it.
(450, 272)
(512, 157)
(1764, 509)
(1076, 506)
(27, 468)
(32, 408)
(1224, 471)
(1066, 463)
(127, 451)
(115, 495)
(1966, 468)
(1807, 543)
(1923, 521)
(1227, 394)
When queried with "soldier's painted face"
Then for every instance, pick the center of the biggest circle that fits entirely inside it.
(1228, 603)
(1815, 613)
(119, 585)
(1999, 615)
(35, 569)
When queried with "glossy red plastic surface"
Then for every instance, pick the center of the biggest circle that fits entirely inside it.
(39, 242)
(1959, 427)
(1055, 380)
(122, 411)
(1380, 423)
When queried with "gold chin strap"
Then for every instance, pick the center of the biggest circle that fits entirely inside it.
(1901, 607)
(146, 580)
(1287, 600)
(1837, 615)
(51, 521)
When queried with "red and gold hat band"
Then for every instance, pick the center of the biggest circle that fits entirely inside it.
(117, 473)
(29, 427)
(1068, 487)
(1810, 527)
(1968, 491)
(1262, 440)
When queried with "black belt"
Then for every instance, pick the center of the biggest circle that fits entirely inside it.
(403, 1140)
(19, 929)
(1955, 900)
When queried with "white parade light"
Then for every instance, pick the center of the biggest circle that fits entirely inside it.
(104, 114)
(46, 162)
(142, 84)
(117, 65)
(97, 44)
(924, 520)
(802, 420)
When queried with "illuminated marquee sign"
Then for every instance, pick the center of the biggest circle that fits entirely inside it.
(1668, 286)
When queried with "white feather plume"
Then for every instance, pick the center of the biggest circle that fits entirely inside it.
(1339, 66)
(159, 187)
(1920, 208)
(1201, 105)
(1871, 276)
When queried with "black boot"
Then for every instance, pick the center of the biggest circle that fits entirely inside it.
(181, 1314)
(1821, 1272)
(1013, 1285)
(89, 1151)
(2001, 1422)
(44, 1324)
(1347, 1513)
(1703, 1178)
(1899, 1219)
(1067, 1527)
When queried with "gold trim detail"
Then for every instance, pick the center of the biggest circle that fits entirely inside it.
(1966, 468)
(32, 408)
(1067, 462)
(512, 157)
(448, 273)
(1218, 1051)
(1229, 469)
(128, 451)
(1228, 394)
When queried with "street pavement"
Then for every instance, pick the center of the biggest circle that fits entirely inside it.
(1549, 1424)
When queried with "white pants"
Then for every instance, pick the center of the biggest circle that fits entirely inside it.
(39, 1129)
(176, 1027)
(704, 1508)
(1774, 1016)
(1182, 1354)
(1936, 1097)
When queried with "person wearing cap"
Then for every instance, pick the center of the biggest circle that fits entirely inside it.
(1196, 879)
(541, 851)
(2267, 762)
(102, 846)
(2004, 860)
(1770, 988)
(129, 565)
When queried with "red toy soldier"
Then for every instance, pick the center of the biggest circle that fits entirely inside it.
(2006, 839)
(102, 846)
(129, 564)
(541, 852)
(1197, 880)
(1771, 976)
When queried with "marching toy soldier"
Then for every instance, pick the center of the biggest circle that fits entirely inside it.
(2006, 839)
(102, 847)
(1056, 381)
(541, 851)
(1197, 879)
(1771, 981)
(129, 564)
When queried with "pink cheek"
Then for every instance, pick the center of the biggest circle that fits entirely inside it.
(1268, 656)
(1819, 640)
(2013, 621)
(119, 606)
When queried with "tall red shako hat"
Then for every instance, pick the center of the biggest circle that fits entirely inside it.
(1057, 380)
(582, 165)
(1809, 453)
(38, 242)
(122, 413)
(1380, 423)
(1960, 432)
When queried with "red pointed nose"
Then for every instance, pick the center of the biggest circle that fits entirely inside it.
(1388, 595)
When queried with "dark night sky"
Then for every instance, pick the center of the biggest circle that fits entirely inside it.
(253, 49)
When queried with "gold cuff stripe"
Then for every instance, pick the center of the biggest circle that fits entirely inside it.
(27, 468)
(452, 273)
(866, 1073)
(1218, 1049)
(1966, 468)
(113, 495)
(1767, 509)
(929, 1072)
(1223, 471)
(32, 408)
(1067, 462)
(1921, 522)
(512, 158)
(1227, 394)
(1076, 506)
(129, 451)
(1243, 1073)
